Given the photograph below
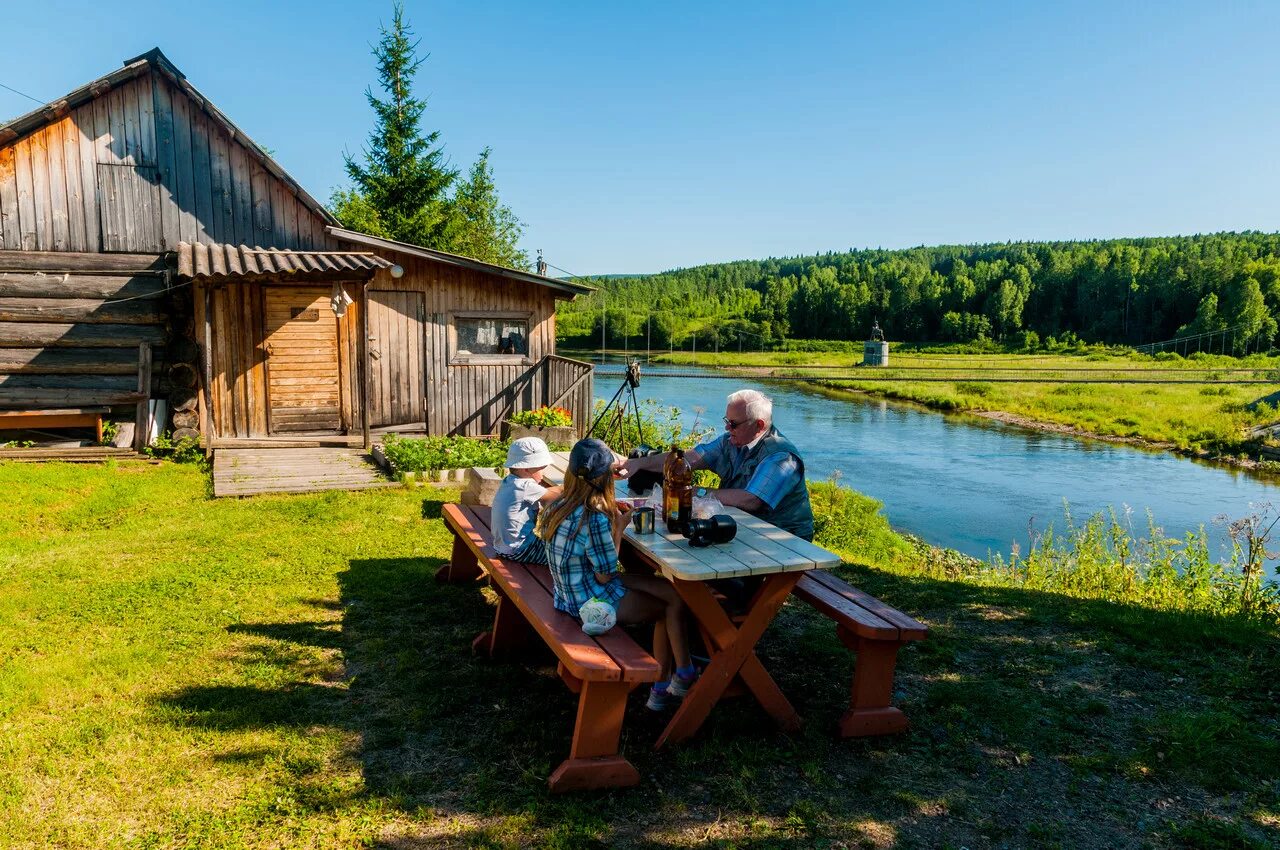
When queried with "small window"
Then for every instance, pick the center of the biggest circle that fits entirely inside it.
(486, 337)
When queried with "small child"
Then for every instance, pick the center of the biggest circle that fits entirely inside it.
(515, 507)
(583, 530)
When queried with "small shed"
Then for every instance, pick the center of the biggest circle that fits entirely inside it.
(140, 227)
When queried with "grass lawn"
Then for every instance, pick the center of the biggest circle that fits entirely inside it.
(282, 671)
(1204, 416)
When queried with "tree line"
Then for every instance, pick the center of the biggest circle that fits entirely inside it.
(1116, 291)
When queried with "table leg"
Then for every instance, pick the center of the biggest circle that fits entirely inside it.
(733, 655)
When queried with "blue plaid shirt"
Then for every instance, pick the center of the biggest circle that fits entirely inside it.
(773, 478)
(576, 558)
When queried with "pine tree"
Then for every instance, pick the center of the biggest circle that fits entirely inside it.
(401, 188)
(484, 228)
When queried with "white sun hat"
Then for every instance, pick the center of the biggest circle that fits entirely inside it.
(528, 453)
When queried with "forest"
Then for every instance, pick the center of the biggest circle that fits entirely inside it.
(1117, 291)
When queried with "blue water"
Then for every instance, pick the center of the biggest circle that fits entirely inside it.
(970, 484)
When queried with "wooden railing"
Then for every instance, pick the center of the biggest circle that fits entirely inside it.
(568, 383)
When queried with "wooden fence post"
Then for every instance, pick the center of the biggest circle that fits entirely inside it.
(141, 422)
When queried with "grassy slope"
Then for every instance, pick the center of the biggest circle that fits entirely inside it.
(282, 671)
(1189, 417)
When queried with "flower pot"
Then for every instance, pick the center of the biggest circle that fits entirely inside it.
(556, 435)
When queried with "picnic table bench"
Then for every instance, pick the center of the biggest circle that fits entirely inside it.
(602, 670)
(875, 632)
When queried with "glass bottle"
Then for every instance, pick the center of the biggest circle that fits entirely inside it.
(677, 491)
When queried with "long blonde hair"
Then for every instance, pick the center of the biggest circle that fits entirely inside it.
(578, 492)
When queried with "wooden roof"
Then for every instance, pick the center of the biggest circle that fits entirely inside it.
(231, 261)
(154, 60)
(563, 288)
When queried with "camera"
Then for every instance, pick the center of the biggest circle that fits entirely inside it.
(642, 482)
(720, 528)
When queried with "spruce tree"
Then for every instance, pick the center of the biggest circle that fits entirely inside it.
(400, 190)
(484, 228)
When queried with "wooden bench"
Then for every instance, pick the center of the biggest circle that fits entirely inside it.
(602, 670)
(873, 630)
(78, 417)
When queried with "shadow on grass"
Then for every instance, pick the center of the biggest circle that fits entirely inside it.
(1036, 721)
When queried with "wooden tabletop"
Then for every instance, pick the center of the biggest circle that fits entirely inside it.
(758, 549)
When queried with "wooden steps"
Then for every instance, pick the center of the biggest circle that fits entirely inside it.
(254, 471)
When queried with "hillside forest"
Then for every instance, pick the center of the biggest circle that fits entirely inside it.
(1023, 294)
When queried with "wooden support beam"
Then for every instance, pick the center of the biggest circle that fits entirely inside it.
(144, 403)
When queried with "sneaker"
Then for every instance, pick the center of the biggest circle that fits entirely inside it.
(660, 700)
(679, 685)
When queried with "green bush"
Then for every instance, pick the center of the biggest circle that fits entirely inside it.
(850, 523)
(420, 454)
(186, 450)
(542, 417)
(660, 423)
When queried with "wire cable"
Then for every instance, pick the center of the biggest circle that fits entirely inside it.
(24, 94)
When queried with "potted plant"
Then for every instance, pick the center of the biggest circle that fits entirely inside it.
(552, 424)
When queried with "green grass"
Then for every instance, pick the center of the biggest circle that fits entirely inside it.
(1204, 416)
(283, 671)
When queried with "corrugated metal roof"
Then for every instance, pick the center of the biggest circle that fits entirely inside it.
(228, 261)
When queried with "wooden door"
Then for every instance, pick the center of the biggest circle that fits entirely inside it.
(397, 362)
(302, 360)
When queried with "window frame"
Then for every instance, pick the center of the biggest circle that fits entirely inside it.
(489, 359)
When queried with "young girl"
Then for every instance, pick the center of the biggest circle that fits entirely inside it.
(583, 531)
(519, 496)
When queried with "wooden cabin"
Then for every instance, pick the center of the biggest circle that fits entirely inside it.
(150, 250)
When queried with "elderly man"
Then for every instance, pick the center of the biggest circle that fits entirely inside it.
(760, 470)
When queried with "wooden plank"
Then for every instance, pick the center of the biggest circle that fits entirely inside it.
(85, 124)
(818, 556)
(260, 185)
(202, 177)
(132, 130)
(39, 142)
(10, 231)
(59, 214)
(53, 361)
(142, 418)
(77, 237)
(128, 208)
(184, 173)
(911, 628)
(31, 398)
(39, 261)
(241, 195)
(844, 611)
(166, 162)
(144, 92)
(31, 335)
(222, 225)
(143, 311)
(117, 145)
(113, 383)
(41, 285)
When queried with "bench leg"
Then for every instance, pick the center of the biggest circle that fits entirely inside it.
(510, 630)
(462, 566)
(593, 760)
(869, 710)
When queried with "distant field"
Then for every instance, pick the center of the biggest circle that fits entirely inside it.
(1088, 393)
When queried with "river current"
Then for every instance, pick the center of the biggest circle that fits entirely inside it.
(970, 484)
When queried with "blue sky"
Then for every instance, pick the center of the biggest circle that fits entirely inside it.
(640, 137)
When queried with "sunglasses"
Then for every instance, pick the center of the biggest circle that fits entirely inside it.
(731, 425)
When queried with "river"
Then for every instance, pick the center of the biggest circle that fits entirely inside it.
(970, 484)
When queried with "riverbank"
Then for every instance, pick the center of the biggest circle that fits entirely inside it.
(1184, 405)
(282, 670)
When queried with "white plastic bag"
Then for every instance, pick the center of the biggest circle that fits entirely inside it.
(705, 507)
(655, 499)
(597, 616)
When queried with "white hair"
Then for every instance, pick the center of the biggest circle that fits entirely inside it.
(756, 404)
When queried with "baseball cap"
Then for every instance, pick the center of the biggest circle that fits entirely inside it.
(528, 453)
(590, 459)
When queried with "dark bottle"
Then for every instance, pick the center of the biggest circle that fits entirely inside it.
(677, 492)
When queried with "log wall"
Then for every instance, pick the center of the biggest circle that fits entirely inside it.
(67, 336)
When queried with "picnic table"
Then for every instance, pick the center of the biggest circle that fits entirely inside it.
(759, 550)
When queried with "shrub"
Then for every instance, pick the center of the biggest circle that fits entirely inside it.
(420, 454)
(542, 417)
(848, 522)
(186, 450)
(660, 423)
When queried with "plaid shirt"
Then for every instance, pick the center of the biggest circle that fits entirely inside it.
(773, 478)
(575, 559)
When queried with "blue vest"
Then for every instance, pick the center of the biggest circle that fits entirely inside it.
(736, 467)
